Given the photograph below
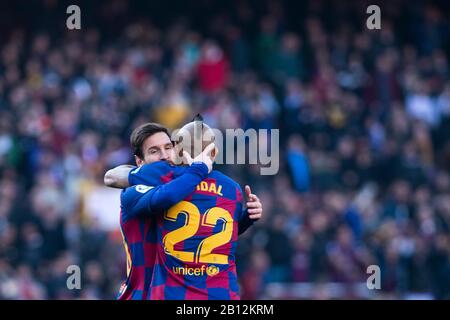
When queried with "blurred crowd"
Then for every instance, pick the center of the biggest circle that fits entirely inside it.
(364, 119)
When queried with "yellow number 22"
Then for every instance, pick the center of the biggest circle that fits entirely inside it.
(190, 228)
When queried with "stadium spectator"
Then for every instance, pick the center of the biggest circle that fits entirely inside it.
(364, 117)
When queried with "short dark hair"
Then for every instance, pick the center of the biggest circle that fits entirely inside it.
(141, 133)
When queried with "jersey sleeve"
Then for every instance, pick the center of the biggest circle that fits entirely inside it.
(134, 201)
(146, 200)
(239, 203)
(244, 221)
(149, 174)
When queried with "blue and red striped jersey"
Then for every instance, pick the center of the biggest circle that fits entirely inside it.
(139, 205)
(197, 239)
(144, 226)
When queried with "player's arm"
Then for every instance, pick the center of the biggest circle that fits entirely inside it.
(252, 213)
(149, 174)
(118, 177)
(124, 176)
(247, 217)
(152, 173)
(141, 199)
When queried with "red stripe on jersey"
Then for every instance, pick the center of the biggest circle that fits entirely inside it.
(198, 294)
(132, 231)
(167, 178)
(150, 254)
(221, 280)
(157, 292)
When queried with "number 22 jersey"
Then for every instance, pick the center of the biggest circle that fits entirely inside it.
(196, 243)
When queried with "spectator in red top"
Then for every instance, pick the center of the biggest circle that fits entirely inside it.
(213, 68)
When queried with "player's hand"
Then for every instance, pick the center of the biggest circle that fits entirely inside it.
(254, 205)
(206, 157)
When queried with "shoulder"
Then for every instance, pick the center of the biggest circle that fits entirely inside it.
(130, 194)
(154, 169)
(158, 165)
(224, 179)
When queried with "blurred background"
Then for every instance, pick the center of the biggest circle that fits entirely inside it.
(364, 118)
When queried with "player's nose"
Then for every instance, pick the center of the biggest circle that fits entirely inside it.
(164, 155)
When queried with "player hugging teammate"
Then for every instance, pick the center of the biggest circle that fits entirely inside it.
(180, 223)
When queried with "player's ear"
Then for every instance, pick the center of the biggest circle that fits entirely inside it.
(139, 161)
(178, 154)
(214, 153)
(178, 149)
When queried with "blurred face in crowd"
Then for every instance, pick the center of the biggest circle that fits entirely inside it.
(156, 147)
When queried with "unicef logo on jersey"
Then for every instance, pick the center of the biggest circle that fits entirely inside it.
(142, 188)
(196, 271)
